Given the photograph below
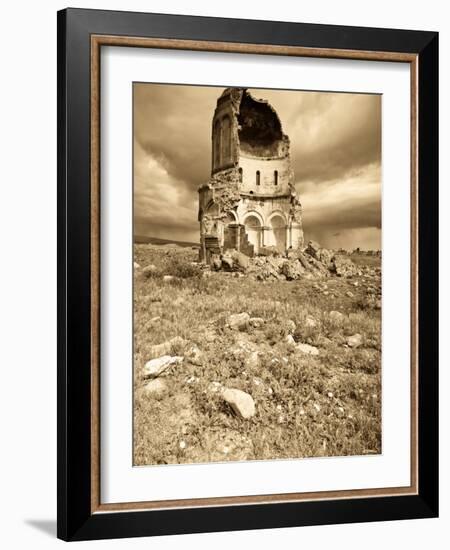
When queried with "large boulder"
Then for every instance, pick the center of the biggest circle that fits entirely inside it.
(241, 402)
(304, 260)
(325, 256)
(319, 257)
(313, 249)
(292, 270)
(318, 267)
(241, 261)
(306, 349)
(232, 260)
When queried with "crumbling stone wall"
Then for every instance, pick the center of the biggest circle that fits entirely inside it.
(250, 201)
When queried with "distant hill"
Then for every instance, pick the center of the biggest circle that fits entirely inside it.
(141, 239)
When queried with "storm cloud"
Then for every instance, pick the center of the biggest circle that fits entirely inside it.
(335, 148)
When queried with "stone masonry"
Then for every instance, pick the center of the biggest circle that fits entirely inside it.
(250, 202)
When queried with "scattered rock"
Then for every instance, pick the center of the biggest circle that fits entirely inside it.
(336, 316)
(136, 265)
(307, 349)
(155, 319)
(256, 322)
(310, 322)
(354, 341)
(290, 340)
(168, 278)
(156, 367)
(238, 321)
(349, 294)
(156, 388)
(241, 402)
(194, 355)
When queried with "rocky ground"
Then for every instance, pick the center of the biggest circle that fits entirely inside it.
(255, 359)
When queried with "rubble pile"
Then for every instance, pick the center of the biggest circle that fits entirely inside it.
(314, 262)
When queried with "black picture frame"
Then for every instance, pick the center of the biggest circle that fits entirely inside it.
(76, 521)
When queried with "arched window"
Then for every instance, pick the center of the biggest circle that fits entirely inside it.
(275, 177)
(258, 177)
(241, 174)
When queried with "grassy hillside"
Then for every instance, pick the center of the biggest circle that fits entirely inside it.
(323, 405)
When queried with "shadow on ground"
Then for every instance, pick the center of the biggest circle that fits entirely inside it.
(46, 526)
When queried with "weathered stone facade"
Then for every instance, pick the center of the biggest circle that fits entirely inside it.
(250, 202)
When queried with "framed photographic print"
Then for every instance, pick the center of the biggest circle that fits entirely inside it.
(247, 254)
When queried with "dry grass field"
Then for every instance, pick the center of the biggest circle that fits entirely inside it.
(327, 404)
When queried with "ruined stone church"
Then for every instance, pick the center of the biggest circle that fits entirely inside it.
(249, 204)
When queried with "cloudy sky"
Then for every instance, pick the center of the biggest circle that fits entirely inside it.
(335, 149)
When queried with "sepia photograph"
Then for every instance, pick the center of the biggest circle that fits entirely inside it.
(256, 274)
